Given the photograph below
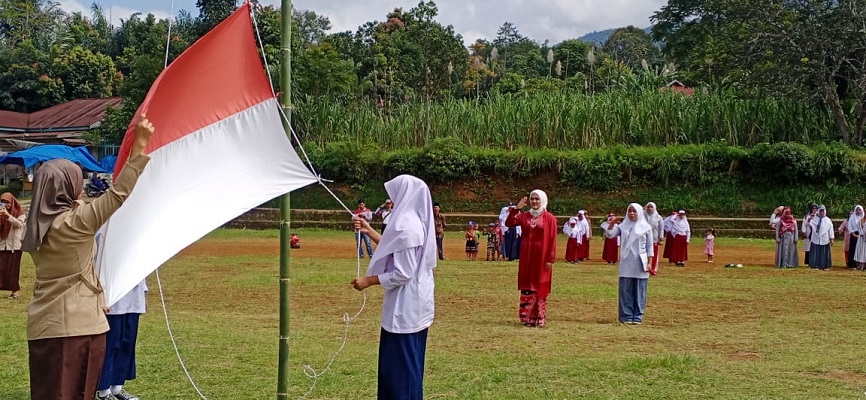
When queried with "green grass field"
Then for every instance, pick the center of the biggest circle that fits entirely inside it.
(709, 332)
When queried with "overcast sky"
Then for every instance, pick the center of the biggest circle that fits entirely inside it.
(553, 20)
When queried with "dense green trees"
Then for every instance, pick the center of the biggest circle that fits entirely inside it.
(751, 50)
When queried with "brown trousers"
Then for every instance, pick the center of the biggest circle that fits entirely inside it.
(66, 368)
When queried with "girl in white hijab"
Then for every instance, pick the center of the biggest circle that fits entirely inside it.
(656, 222)
(403, 264)
(682, 234)
(852, 236)
(635, 252)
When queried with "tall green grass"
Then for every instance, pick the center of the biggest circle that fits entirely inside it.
(569, 121)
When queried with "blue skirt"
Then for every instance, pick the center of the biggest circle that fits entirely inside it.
(819, 256)
(401, 365)
(119, 365)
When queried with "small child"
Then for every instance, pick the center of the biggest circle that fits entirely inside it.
(294, 241)
(492, 242)
(471, 241)
(709, 243)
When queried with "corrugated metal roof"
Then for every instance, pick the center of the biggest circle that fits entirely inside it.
(79, 113)
(12, 119)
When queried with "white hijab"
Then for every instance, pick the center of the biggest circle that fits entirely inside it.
(653, 218)
(633, 230)
(543, 200)
(854, 223)
(411, 224)
(680, 225)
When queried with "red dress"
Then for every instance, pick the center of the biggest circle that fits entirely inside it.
(537, 248)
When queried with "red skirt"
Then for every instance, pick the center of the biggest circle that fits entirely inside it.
(571, 250)
(679, 249)
(583, 250)
(610, 252)
(669, 243)
(654, 262)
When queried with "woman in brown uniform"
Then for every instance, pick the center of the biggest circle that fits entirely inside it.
(66, 322)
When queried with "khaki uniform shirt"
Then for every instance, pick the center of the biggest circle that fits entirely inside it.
(67, 298)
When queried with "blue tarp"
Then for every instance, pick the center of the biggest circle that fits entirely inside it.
(34, 155)
(107, 162)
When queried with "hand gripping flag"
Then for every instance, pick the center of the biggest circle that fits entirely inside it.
(219, 150)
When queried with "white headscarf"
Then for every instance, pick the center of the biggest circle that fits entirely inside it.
(543, 200)
(854, 221)
(653, 218)
(680, 226)
(633, 230)
(411, 224)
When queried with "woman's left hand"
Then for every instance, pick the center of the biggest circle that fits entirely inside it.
(548, 265)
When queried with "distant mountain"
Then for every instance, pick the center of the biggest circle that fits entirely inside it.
(599, 37)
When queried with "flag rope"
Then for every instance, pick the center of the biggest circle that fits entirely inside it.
(158, 280)
(309, 371)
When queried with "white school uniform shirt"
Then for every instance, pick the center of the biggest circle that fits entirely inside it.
(584, 227)
(503, 215)
(604, 226)
(807, 230)
(573, 233)
(408, 304)
(774, 220)
(132, 302)
(821, 236)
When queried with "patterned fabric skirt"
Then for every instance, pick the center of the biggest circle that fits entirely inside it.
(533, 309)
(471, 246)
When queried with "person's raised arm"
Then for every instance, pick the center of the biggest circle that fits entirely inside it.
(512, 219)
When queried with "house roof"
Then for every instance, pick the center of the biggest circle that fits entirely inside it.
(73, 116)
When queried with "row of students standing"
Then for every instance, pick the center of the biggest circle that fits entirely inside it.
(818, 237)
(579, 233)
(675, 229)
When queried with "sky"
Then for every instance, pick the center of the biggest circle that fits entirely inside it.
(540, 20)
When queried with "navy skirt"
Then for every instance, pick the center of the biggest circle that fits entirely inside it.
(401, 365)
(119, 365)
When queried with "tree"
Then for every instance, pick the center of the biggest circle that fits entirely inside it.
(312, 28)
(25, 85)
(572, 54)
(631, 46)
(807, 49)
(85, 74)
(212, 12)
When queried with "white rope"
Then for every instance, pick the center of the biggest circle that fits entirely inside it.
(173, 341)
(158, 281)
(168, 35)
(309, 371)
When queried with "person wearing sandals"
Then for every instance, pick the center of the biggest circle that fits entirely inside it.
(635, 254)
(12, 219)
(403, 264)
(66, 322)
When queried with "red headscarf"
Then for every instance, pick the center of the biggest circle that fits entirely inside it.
(787, 222)
(14, 209)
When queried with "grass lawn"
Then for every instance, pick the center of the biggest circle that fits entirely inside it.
(709, 332)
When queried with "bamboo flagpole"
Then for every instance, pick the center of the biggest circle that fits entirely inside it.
(285, 206)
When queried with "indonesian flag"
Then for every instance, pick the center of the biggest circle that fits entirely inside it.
(219, 149)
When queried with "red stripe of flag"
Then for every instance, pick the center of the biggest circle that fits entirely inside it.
(187, 97)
